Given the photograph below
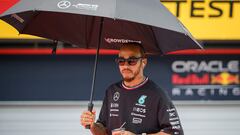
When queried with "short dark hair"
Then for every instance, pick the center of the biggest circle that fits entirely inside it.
(135, 44)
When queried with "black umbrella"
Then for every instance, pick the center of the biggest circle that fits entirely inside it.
(102, 24)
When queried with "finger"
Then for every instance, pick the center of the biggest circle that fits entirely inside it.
(116, 133)
(91, 113)
(94, 112)
(87, 115)
(86, 122)
(84, 114)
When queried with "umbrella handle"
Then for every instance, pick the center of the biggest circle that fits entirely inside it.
(90, 108)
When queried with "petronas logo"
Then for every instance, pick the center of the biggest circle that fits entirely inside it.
(141, 100)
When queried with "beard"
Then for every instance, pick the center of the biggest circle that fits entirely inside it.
(125, 79)
(129, 79)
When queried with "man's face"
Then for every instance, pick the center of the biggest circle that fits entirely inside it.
(130, 72)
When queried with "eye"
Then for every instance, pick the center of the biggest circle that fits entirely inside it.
(120, 61)
(132, 61)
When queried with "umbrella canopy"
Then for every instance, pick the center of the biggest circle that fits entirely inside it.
(81, 22)
(102, 24)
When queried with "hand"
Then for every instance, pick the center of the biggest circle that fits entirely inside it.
(88, 118)
(123, 133)
(128, 133)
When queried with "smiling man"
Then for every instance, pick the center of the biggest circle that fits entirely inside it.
(135, 103)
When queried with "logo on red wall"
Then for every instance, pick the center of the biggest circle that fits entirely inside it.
(205, 78)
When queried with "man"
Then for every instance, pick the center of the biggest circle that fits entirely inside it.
(136, 103)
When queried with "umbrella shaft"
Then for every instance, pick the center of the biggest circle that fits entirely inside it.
(96, 62)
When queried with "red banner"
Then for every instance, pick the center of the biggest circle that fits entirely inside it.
(6, 4)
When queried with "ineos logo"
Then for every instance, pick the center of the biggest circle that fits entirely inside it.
(64, 4)
(116, 96)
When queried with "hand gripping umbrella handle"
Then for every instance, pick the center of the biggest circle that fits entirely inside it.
(90, 108)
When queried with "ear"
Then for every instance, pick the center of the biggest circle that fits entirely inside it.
(144, 62)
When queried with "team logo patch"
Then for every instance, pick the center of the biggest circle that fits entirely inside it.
(141, 100)
(116, 96)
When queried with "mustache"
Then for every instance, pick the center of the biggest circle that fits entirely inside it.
(126, 70)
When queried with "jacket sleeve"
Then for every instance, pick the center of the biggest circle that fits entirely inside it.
(168, 118)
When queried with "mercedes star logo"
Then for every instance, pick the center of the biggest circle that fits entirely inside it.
(64, 4)
(116, 96)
